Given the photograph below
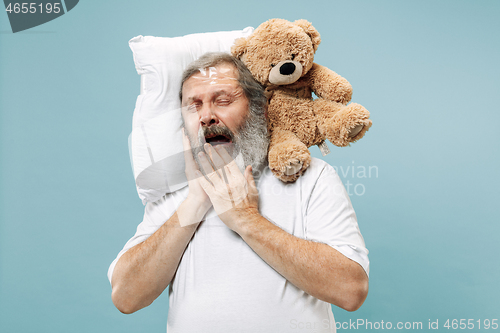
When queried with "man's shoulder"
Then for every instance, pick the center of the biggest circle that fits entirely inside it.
(317, 162)
(317, 168)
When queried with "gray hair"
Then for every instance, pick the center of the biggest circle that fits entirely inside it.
(254, 92)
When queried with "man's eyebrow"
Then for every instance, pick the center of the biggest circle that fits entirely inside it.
(190, 100)
(232, 93)
(216, 93)
(221, 92)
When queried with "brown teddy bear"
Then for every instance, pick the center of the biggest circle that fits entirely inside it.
(280, 56)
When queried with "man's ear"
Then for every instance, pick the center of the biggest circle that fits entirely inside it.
(311, 31)
(239, 47)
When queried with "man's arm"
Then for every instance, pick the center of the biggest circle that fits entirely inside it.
(316, 268)
(143, 272)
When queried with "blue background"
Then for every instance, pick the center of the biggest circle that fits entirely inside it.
(428, 71)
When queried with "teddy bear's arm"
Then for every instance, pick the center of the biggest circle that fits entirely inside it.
(327, 84)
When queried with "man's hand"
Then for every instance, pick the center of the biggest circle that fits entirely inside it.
(316, 268)
(233, 195)
(197, 195)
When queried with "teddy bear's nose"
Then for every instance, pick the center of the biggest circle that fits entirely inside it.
(287, 68)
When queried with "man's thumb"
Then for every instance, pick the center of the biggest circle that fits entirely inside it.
(249, 176)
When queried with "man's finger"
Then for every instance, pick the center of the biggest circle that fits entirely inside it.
(205, 184)
(217, 160)
(249, 176)
(188, 156)
(205, 164)
(231, 166)
(250, 180)
(187, 146)
(224, 154)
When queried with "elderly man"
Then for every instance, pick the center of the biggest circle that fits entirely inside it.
(242, 254)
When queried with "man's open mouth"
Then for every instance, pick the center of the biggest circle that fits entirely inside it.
(216, 139)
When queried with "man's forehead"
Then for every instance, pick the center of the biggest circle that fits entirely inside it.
(223, 77)
(223, 70)
(222, 73)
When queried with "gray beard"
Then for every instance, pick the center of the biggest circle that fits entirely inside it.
(249, 146)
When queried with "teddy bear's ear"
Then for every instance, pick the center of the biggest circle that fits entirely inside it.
(239, 47)
(311, 31)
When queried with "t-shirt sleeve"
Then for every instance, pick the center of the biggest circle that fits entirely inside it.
(155, 215)
(330, 218)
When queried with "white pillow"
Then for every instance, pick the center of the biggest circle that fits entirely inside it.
(155, 144)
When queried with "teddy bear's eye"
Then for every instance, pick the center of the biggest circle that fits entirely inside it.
(272, 65)
(293, 56)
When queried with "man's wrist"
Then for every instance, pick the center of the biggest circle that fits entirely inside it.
(198, 204)
(192, 211)
(245, 220)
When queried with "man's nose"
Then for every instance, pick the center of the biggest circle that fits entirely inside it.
(207, 116)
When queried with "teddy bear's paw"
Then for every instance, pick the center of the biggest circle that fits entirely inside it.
(355, 130)
(358, 131)
(289, 163)
(293, 168)
(291, 172)
(349, 125)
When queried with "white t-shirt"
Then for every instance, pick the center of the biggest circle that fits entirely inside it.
(222, 285)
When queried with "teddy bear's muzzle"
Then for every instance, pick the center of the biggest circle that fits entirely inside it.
(285, 72)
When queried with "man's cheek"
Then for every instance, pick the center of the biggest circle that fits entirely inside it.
(191, 125)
